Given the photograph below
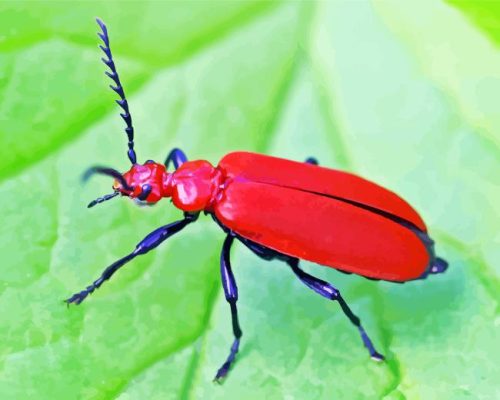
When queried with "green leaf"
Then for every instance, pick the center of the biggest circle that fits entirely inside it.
(484, 14)
(404, 94)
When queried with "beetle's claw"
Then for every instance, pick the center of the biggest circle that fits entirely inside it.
(221, 374)
(377, 357)
(77, 298)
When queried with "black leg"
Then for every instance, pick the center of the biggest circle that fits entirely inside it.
(231, 293)
(326, 290)
(148, 243)
(318, 285)
(177, 157)
(311, 160)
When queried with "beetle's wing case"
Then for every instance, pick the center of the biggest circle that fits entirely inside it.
(325, 216)
(313, 178)
(322, 230)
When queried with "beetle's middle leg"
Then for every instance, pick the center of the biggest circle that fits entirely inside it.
(177, 157)
(326, 290)
(231, 293)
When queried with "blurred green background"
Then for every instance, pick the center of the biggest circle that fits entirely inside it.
(406, 94)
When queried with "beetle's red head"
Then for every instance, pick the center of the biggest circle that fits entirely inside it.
(146, 183)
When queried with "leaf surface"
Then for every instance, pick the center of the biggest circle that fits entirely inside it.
(382, 90)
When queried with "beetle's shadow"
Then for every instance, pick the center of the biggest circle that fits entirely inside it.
(432, 308)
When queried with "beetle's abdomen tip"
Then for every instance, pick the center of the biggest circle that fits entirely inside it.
(439, 266)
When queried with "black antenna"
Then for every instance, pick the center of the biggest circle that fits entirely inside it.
(118, 89)
(109, 172)
(102, 199)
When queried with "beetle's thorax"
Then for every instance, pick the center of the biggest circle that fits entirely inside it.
(194, 185)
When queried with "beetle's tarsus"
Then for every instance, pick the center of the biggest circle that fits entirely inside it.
(150, 242)
(222, 373)
(439, 266)
(377, 357)
(77, 298)
(224, 370)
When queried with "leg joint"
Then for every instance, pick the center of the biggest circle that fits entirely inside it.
(191, 217)
(232, 298)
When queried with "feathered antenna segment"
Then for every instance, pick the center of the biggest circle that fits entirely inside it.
(118, 89)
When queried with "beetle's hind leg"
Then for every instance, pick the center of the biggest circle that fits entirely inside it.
(231, 293)
(319, 286)
(177, 157)
(326, 290)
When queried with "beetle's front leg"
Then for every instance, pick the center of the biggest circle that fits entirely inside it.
(177, 157)
(231, 293)
(148, 243)
(326, 290)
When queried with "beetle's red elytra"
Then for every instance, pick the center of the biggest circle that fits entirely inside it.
(279, 209)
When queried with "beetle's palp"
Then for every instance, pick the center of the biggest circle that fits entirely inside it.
(129, 130)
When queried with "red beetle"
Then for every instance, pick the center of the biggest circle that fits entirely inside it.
(279, 209)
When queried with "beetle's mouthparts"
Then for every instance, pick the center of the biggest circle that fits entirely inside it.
(108, 172)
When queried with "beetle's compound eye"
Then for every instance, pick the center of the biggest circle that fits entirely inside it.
(145, 191)
(149, 162)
